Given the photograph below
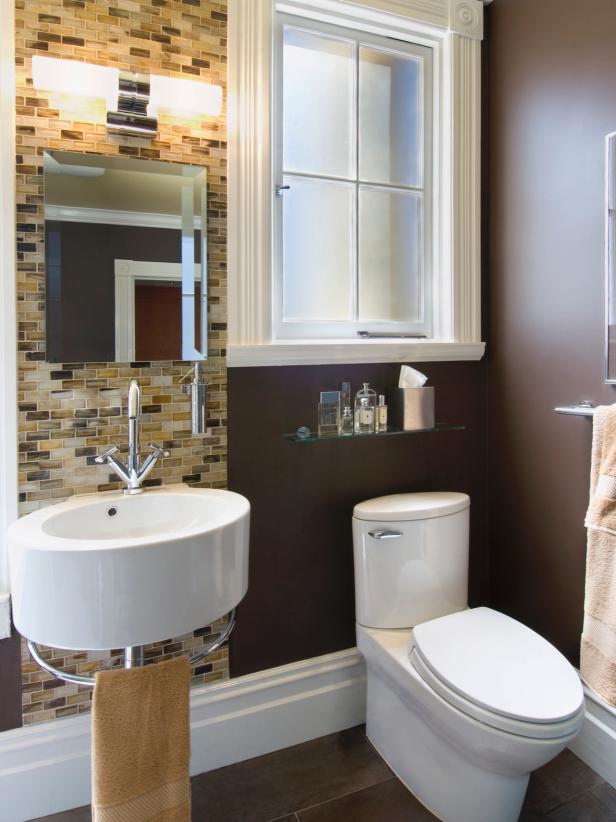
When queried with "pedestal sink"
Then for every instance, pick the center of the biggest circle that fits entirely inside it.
(113, 571)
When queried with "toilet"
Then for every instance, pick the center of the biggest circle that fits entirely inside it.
(463, 703)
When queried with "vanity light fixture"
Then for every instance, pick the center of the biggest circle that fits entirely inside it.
(78, 79)
(183, 98)
(130, 115)
(132, 101)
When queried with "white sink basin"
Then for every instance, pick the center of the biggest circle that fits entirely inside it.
(110, 571)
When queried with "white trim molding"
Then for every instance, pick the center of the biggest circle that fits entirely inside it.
(249, 189)
(106, 216)
(5, 615)
(311, 352)
(45, 768)
(465, 146)
(596, 742)
(454, 29)
(466, 18)
(8, 303)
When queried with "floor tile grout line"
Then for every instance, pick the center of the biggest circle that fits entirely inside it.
(344, 795)
(572, 798)
(600, 801)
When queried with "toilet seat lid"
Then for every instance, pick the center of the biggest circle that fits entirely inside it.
(500, 665)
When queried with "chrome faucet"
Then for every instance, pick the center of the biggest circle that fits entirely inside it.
(134, 471)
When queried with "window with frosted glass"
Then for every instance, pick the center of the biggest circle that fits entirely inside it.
(355, 171)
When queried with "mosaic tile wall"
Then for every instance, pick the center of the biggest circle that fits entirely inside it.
(68, 412)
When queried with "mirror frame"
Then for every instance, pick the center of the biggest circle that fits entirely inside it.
(192, 349)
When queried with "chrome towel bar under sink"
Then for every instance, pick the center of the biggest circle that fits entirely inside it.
(133, 657)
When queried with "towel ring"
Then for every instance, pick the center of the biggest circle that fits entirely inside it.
(133, 657)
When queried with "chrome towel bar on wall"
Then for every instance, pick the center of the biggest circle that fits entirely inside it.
(583, 409)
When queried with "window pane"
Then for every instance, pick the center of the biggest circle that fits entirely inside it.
(317, 250)
(318, 104)
(390, 255)
(390, 113)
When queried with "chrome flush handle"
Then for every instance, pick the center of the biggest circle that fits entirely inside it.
(385, 533)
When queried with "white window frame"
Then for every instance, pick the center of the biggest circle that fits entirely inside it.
(454, 29)
(327, 330)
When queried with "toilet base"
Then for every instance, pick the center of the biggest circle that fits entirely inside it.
(453, 788)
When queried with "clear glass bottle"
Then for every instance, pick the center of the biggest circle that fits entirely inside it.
(381, 414)
(365, 410)
(328, 411)
(346, 422)
(345, 395)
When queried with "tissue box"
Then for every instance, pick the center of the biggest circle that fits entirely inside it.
(410, 409)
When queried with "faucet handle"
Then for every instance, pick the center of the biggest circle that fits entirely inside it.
(101, 459)
(160, 452)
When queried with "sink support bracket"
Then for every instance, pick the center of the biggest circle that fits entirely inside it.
(133, 657)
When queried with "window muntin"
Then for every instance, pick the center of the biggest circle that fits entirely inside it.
(354, 228)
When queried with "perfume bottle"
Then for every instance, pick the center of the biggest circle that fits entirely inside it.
(346, 422)
(345, 395)
(381, 414)
(365, 410)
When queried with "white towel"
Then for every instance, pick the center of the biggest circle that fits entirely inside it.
(598, 649)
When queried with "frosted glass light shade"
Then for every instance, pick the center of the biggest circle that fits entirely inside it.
(186, 98)
(74, 77)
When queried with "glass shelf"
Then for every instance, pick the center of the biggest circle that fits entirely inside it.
(391, 432)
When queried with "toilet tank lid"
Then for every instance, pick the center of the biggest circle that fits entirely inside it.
(404, 507)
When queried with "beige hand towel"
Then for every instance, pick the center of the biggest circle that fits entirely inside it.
(141, 744)
(598, 650)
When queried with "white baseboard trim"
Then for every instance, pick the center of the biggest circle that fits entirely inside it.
(596, 742)
(5, 615)
(45, 768)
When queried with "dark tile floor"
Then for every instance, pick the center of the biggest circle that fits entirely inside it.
(340, 778)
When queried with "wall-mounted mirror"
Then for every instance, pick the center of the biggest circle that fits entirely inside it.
(610, 258)
(126, 259)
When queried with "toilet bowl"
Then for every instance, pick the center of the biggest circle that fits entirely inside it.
(462, 703)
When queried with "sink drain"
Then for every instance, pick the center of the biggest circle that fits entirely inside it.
(112, 511)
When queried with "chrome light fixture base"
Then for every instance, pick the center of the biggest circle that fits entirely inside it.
(131, 116)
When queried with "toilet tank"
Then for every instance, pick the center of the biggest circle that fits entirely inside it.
(411, 558)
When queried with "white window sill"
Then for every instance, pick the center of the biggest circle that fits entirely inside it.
(332, 352)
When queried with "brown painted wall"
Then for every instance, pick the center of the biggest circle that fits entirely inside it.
(10, 683)
(300, 600)
(551, 74)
